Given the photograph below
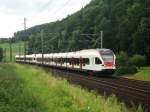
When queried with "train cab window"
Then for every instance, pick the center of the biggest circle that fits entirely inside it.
(98, 61)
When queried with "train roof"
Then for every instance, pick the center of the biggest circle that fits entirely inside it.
(77, 54)
(30, 56)
(93, 50)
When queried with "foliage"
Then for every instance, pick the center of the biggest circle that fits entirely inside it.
(125, 65)
(14, 97)
(4, 40)
(126, 26)
(28, 89)
(15, 49)
(126, 70)
(1, 54)
(122, 59)
(138, 60)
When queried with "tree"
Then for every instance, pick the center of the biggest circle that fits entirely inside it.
(1, 54)
(123, 65)
(122, 59)
(138, 60)
(126, 26)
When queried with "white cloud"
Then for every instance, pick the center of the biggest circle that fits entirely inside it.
(36, 12)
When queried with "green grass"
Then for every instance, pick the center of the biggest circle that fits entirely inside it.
(13, 94)
(15, 49)
(143, 74)
(28, 89)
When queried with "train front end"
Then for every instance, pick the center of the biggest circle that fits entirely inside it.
(108, 58)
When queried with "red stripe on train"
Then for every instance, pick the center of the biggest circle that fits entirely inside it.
(108, 64)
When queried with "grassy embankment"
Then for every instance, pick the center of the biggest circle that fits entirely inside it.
(143, 74)
(27, 89)
(15, 49)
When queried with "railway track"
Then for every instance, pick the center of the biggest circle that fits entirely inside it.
(136, 83)
(127, 90)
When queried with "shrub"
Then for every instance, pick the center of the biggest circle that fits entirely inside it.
(122, 59)
(124, 66)
(1, 54)
(126, 70)
(138, 60)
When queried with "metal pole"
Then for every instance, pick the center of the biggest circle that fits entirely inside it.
(24, 51)
(24, 41)
(42, 32)
(4, 54)
(101, 39)
(19, 49)
(10, 47)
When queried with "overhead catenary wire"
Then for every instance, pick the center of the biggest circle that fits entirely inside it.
(46, 5)
(49, 47)
(61, 8)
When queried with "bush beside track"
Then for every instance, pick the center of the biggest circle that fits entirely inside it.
(128, 65)
(126, 70)
(26, 89)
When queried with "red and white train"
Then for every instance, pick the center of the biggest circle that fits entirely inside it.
(91, 60)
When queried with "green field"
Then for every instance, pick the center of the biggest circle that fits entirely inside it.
(143, 74)
(15, 49)
(28, 89)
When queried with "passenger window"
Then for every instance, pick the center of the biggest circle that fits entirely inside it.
(98, 61)
(86, 60)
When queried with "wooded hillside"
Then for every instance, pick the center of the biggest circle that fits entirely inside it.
(126, 26)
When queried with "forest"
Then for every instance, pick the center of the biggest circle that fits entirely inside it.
(125, 25)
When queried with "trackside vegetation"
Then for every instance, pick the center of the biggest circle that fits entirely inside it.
(143, 74)
(13, 95)
(15, 49)
(1, 54)
(129, 64)
(28, 89)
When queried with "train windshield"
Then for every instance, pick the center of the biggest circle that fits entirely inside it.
(107, 56)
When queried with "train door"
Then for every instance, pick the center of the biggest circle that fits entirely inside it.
(66, 61)
(72, 62)
(56, 61)
(61, 61)
(81, 63)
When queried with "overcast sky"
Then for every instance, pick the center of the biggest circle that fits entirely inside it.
(37, 12)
